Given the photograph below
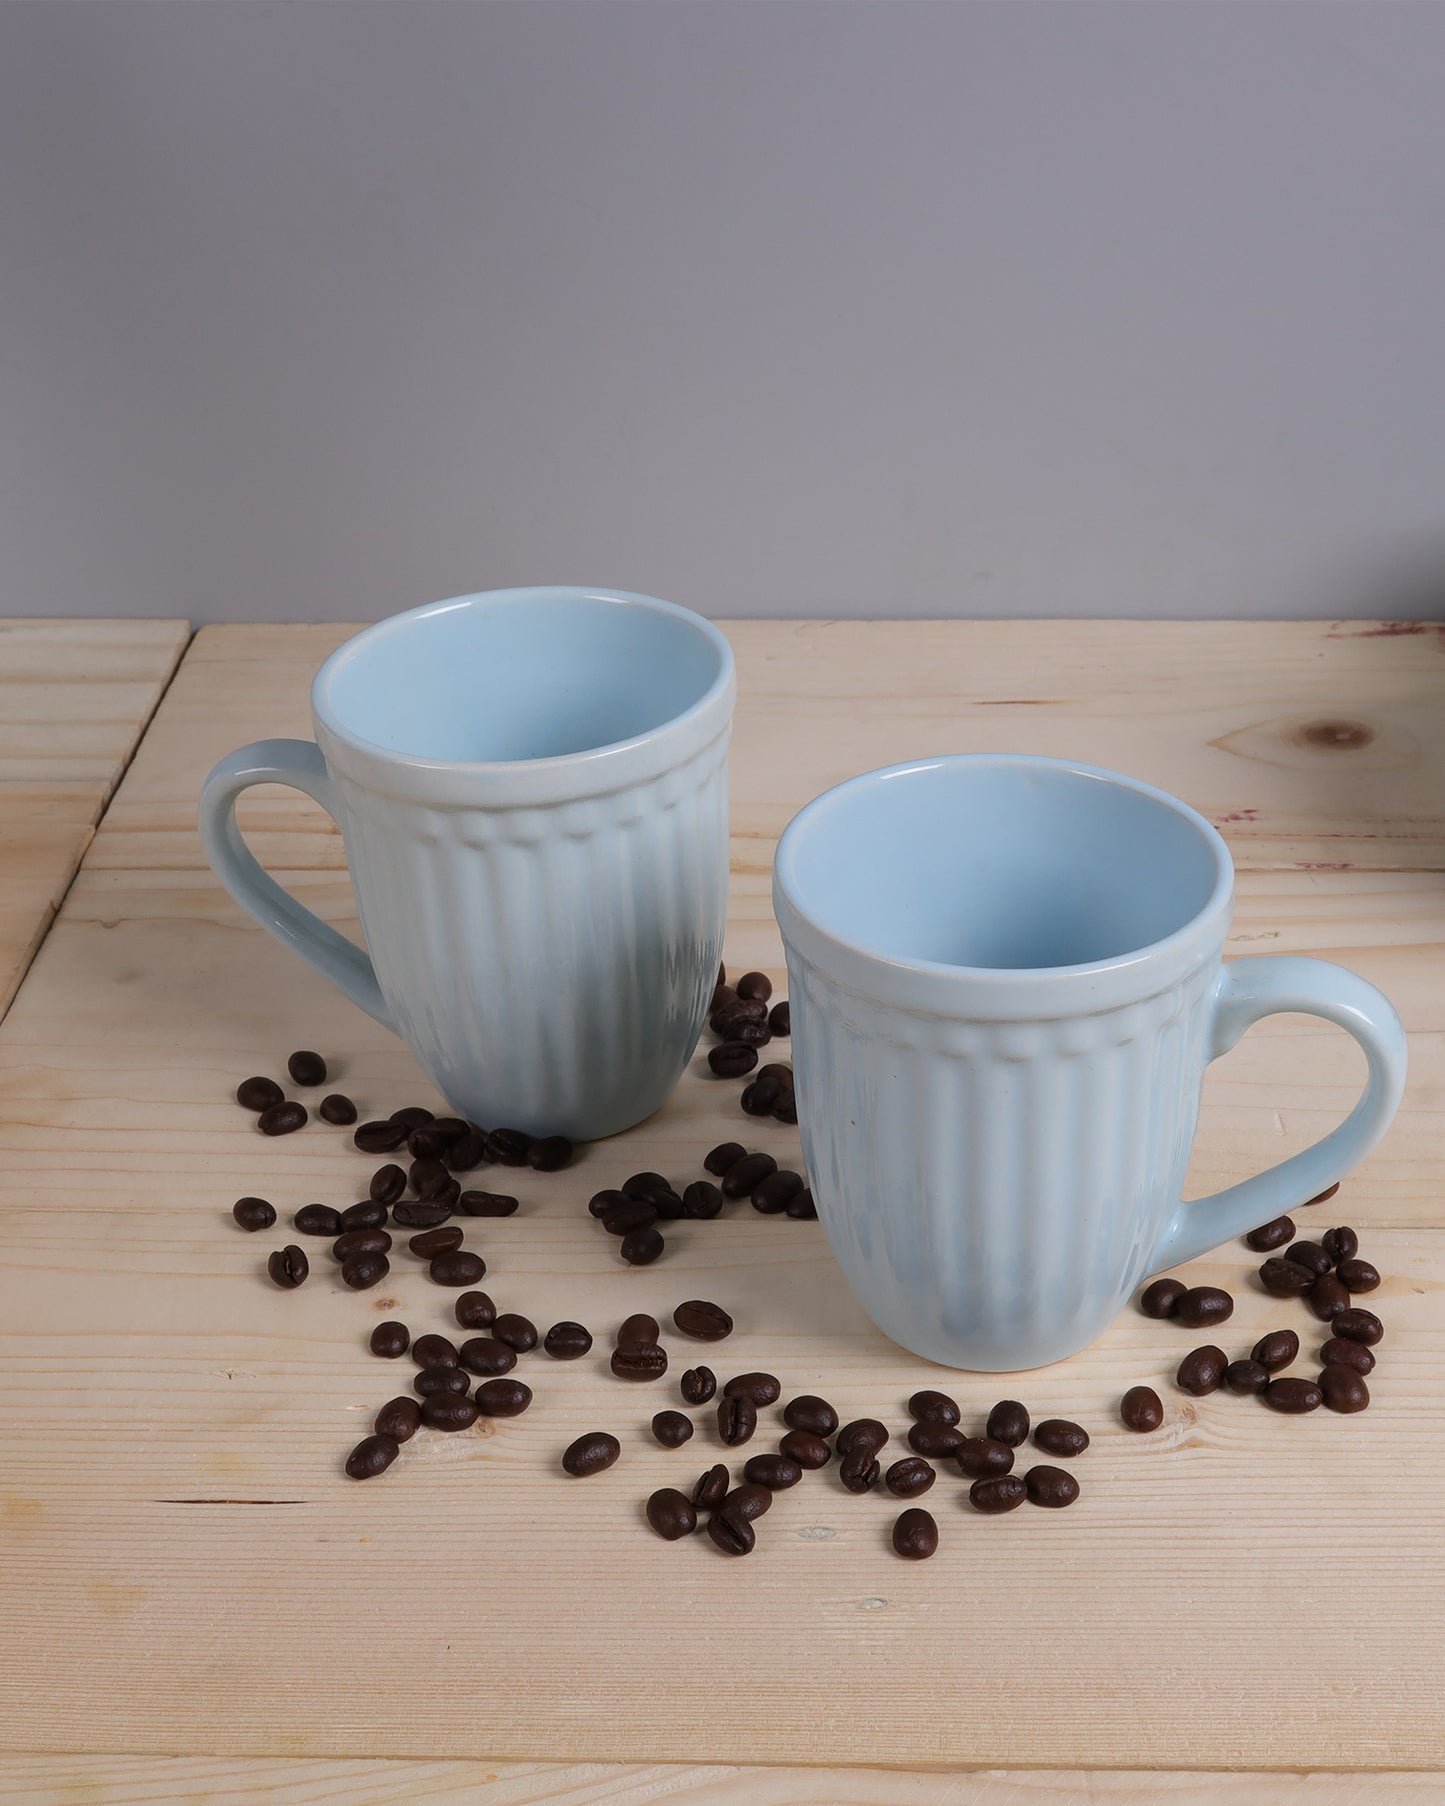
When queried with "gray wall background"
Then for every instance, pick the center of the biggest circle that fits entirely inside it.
(836, 307)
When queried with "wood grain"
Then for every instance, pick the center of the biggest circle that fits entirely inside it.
(75, 697)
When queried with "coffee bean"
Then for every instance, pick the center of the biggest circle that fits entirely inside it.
(748, 1501)
(915, 1534)
(774, 1194)
(411, 1214)
(431, 1380)
(503, 1398)
(731, 1059)
(1309, 1255)
(288, 1266)
(259, 1094)
(481, 1355)
(762, 1388)
(508, 1147)
(307, 1068)
(432, 1242)
(387, 1184)
(1343, 1389)
(590, 1454)
(640, 1247)
(731, 1533)
(372, 1455)
(317, 1219)
(938, 1439)
(749, 1034)
(780, 1019)
(733, 1019)
(1141, 1409)
(1325, 1195)
(1327, 1297)
(934, 1407)
(742, 1179)
(1058, 1436)
(1285, 1278)
(337, 1109)
(412, 1117)
(516, 1332)
(399, 1418)
(698, 1385)
(776, 1472)
(1008, 1422)
(1293, 1396)
(1337, 1352)
(711, 1489)
(1246, 1376)
(861, 1433)
(549, 1153)
(983, 1458)
(363, 1215)
(1201, 1371)
(567, 1341)
(475, 1310)
(390, 1339)
(702, 1201)
(458, 1268)
(786, 1110)
(806, 1412)
(802, 1207)
(1356, 1325)
(435, 1351)
(1202, 1307)
(1358, 1275)
(998, 1493)
(430, 1179)
(425, 1143)
(1271, 1235)
(671, 1429)
(282, 1119)
(909, 1478)
(668, 1204)
(737, 1418)
(362, 1271)
(806, 1448)
(1340, 1244)
(755, 986)
(1051, 1487)
(761, 1097)
(639, 1361)
(671, 1514)
(638, 1329)
(449, 1411)
(702, 1321)
(450, 1129)
(630, 1214)
(486, 1204)
(1275, 1350)
(648, 1185)
(253, 1213)
(361, 1241)
(860, 1470)
(466, 1152)
(379, 1137)
(726, 1154)
(1160, 1298)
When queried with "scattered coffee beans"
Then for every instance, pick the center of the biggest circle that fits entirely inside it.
(1309, 1255)
(253, 1213)
(862, 1433)
(282, 1119)
(288, 1267)
(1325, 1195)
(810, 1413)
(702, 1321)
(486, 1204)
(449, 1411)
(629, 1214)
(1358, 1275)
(307, 1068)
(1160, 1298)
(772, 1196)
(503, 1398)
(742, 1179)
(379, 1137)
(399, 1418)
(1050, 1486)
(338, 1109)
(459, 1268)
(1141, 1409)
(363, 1271)
(372, 1455)
(415, 1214)
(1357, 1325)
(982, 1458)
(698, 1385)
(638, 1329)
(1008, 1422)
(602, 1201)
(1340, 1244)
(909, 1478)
(567, 1341)
(802, 1207)
(641, 1361)
(748, 1500)
(259, 1094)
(934, 1407)
(1001, 1492)
(1276, 1350)
(755, 986)
(590, 1454)
(1343, 1389)
(361, 1241)
(1058, 1436)
(1202, 1307)
(647, 1185)
(1246, 1376)
(1201, 1371)
(1293, 1396)
(431, 1380)
(731, 1059)
(467, 1151)
(515, 1332)
(390, 1339)
(670, 1514)
(671, 1429)
(1327, 1297)
(860, 1469)
(508, 1147)
(711, 1489)
(730, 1532)
(475, 1310)
(1285, 1278)
(806, 1448)
(412, 1117)
(762, 1389)
(780, 1021)
(481, 1355)
(1271, 1235)
(915, 1534)
(387, 1184)
(432, 1242)
(640, 1247)
(549, 1154)
(776, 1472)
(929, 1438)
(365, 1215)
(435, 1351)
(737, 1418)
(1338, 1352)
(702, 1201)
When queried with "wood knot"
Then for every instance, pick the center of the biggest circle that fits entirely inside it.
(1335, 735)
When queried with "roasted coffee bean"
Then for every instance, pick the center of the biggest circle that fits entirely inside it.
(668, 1204)
(807, 1412)
(449, 1411)
(1275, 1350)
(1271, 1235)
(731, 1059)
(755, 986)
(731, 1533)
(671, 1429)
(1343, 1389)
(363, 1271)
(780, 1019)
(486, 1204)
(910, 1477)
(380, 1137)
(806, 1448)
(983, 1458)
(413, 1214)
(458, 1268)
(860, 1470)
(802, 1207)
(567, 1341)
(1160, 1298)
(432, 1242)
(711, 1489)
(1326, 1194)
(412, 1117)
(430, 1179)
(786, 1110)
(337, 1109)
(515, 1332)
(630, 1214)
(1358, 1275)
(1356, 1325)
(646, 1185)
(361, 1241)
(1309, 1255)
(431, 1380)
(702, 1321)
(448, 1129)
(1201, 1371)
(590, 1454)
(671, 1514)
(387, 1184)
(1246, 1376)
(288, 1266)
(776, 1472)
(485, 1357)
(399, 1418)
(761, 1097)
(998, 1493)
(317, 1219)
(1327, 1297)
(508, 1147)
(549, 1153)
(915, 1534)
(761, 1388)
(390, 1339)
(748, 1034)
(475, 1310)
(640, 1247)
(253, 1213)
(779, 1070)
(1337, 1352)
(372, 1455)
(726, 1154)
(307, 1068)
(282, 1119)
(741, 1180)
(363, 1215)
(1058, 1436)
(603, 1201)
(938, 1439)
(639, 1361)
(1285, 1278)
(503, 1398)
(1202, 1307)
(1293, 1396)
(1008, 1422)
(699, 1384)
(637, 1329)
(775, 1193)
(733, 1017)
(1051, 1487)
(862, 1433)
(934, 1407)
(466, 1152)
(749, 1500)
(259, 1094)
(425, 1144)
(737, 1418)
(702, 1201)
(1340, 1244)
(435, 1351)
(1141, 1409)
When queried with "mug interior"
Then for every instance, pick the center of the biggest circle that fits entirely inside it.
(520, 674)
(1004, 863)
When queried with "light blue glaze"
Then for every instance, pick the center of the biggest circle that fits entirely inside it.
(1006, 981)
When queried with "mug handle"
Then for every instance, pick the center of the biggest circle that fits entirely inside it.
(298, 763)
(1244, 992)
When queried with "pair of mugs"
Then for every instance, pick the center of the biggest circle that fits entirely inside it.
(1004, 972)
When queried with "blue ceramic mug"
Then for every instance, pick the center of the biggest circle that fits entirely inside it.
(532, 789)
(1006, 981)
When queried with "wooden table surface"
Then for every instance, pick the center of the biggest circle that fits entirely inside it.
(198, 1606)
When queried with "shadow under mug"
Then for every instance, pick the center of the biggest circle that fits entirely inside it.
(1006, 981)
(532, 789)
